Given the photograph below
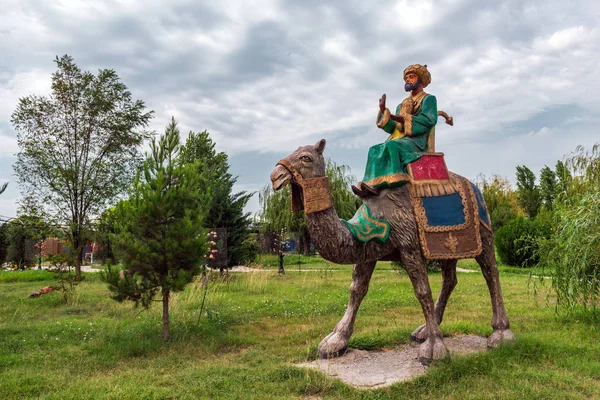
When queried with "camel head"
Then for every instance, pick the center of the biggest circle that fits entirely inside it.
(304, 169)
(307, 161)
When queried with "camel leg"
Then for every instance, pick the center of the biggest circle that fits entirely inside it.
(449, 282)
(433, 347)
(336, 343)
(487, 261)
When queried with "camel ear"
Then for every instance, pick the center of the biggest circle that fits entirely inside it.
(320, 146)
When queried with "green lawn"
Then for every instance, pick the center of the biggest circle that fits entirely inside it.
(257, 325)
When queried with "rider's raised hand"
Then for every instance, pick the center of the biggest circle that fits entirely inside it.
(382, 103)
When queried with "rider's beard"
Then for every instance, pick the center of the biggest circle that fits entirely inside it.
(410, 87)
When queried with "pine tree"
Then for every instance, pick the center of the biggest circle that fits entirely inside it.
(160, 237)
(227, 208)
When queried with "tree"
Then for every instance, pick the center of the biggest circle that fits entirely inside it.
(564, 178)
(79, 147)
(160, 238)
(501, 201)
(528, 192)
(22, 233)
(227, 208)
(572, 253)
(276, 215)
(548, 187)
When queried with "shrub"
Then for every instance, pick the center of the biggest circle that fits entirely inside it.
(516, 243)
(249, 251)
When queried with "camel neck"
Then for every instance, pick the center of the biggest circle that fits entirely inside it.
(317, 195)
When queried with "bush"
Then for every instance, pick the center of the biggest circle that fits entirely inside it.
(516, 242)
(248, 251)
(3, 242)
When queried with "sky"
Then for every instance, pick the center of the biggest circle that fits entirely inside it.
(520, 77)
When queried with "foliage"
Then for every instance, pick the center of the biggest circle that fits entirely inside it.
(3, 242)
(276, 215)
(160, 237)
(528, 192)
(3, 187)
(61, 265)
(572, 253)
(516, 243)
(19, 239)
(501, 201)
(21, 233)
(104, 229)
(548, 187)
(227, 208)
(563, 179)
(78, 146)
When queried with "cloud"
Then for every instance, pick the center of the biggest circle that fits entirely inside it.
(266, 77)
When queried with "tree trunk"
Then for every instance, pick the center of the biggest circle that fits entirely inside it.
(77, 250)
(305, 242)
(281, 270)
(78, 263)
(165, 302)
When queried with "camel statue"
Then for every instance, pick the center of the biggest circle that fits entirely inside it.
(304, 169)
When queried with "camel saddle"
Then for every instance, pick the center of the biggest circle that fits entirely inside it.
(448, 208)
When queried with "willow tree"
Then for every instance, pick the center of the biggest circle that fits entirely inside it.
(572, 253)
(276, 216)
(79, 146)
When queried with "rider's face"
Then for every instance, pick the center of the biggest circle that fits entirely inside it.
(411, 78)
(412, 81)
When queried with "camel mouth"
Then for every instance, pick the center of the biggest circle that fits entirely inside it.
(280, 177)
(280, 182)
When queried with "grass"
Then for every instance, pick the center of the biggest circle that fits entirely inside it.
(537, 271)
(257, 325)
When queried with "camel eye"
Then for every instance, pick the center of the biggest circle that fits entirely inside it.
(306, 158)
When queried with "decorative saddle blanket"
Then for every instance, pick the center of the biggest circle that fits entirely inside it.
(365, 228)
(449, 222)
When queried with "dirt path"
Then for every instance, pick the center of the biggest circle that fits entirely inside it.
(373, 369)
(241, 268)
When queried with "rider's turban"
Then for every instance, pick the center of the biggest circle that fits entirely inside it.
(421, 71)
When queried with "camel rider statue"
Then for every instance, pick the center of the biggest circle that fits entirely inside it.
(410, 129)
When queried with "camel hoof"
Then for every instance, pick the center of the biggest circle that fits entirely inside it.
(432, 349)
(500, 336)
(334, 345)
(419, 335)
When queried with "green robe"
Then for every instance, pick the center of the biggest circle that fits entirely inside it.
(386, 163)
